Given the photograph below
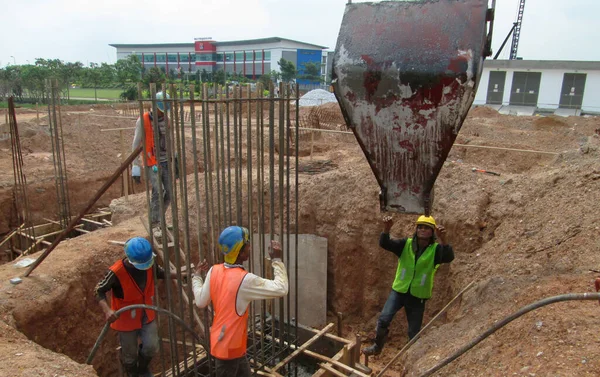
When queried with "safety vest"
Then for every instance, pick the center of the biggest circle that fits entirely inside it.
(131, 320)
(149, 132)
(418, 277)
(229, 331)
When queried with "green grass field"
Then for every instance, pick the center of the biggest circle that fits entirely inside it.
(89, 93)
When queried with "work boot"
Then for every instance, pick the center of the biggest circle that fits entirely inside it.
(143, 366)
(375, 348)
(131, 370)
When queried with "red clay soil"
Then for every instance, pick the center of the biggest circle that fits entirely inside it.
(530, 233)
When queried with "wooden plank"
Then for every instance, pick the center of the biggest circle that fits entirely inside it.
(332, 371)
(307, 344)
(92, 221)
(82, 230)
(107, 222)
(334, 362)
(11, 234)
(119, 243)
(332, 337)
(55, 233)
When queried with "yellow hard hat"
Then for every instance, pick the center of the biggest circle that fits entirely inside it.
(426, 220)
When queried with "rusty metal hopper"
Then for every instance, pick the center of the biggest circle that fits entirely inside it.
(405, 74)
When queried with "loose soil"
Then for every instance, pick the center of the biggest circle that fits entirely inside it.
(530, 233)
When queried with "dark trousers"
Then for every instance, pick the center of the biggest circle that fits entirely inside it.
(415, 307)
(233, 368)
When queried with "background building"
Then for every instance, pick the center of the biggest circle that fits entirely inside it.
(251, 58)
(527, 86)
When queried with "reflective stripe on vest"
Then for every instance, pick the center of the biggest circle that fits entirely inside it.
(131, 320)
(419, 277)
(149, 133)
(229, 331)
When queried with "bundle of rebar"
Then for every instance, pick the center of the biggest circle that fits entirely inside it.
(58, 152)
(241, 176)
(20, 197)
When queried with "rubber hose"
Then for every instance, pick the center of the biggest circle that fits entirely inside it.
(139, 306)
(507, 320)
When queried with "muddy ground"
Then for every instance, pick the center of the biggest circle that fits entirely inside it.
(530, 233)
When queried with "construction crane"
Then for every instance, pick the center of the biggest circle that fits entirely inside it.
(516, 29)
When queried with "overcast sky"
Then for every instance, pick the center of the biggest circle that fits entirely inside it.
(81, 30)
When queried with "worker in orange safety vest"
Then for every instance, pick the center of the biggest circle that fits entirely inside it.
(231, 289)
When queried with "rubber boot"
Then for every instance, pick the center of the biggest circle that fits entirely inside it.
(131, 370)
(375, 348)
(143, 365)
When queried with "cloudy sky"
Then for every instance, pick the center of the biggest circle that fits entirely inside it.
(81, 30)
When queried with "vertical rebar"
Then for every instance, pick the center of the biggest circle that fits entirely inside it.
(280, 201)
(159, 188)
(202, 254)
(297, 148)
(230, 217)
(144, 161)
(173, 148)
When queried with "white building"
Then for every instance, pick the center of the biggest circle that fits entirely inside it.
(251, 58)
(527, 86)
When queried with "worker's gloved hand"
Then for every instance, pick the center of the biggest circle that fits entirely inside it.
(275, 250)
(155, 169)
(388, 222)
(440, 232)
(202, 268)
(110, 316)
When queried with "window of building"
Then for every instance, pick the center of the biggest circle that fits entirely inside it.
(259, 55)
(184, 58)
(249, 56)
(172, 58)
(161, 58)
(267, 55)
(239, 56)
(149, 58)
(220, 56)
(204, 57)
(324, 59)
(229, 56)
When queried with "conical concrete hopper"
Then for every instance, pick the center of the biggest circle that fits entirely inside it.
(405, 74)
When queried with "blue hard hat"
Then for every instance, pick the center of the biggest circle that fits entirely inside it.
(161, 104)
(139, 253)
(231, 241)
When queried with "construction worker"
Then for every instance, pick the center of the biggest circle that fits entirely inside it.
(418, 259)
(231, 289)
(131, 281)
(154, 157)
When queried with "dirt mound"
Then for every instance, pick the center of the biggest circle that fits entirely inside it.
(483, 112)
(550, 121)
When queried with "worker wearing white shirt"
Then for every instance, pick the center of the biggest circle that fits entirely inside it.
(231, 289)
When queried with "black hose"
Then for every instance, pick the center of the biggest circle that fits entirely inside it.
(140, 306)
(512, 317)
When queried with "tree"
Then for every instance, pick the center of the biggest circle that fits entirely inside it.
(311, 71)
(93, 76)
(265, 80)
(154, 75)
(288, 70)
(128, 71)
(69, 72)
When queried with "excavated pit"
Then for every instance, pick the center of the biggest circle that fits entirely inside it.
(524, 235)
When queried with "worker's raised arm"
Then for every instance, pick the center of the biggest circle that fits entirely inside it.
(257, 288)
(388, 243)
(201, 288)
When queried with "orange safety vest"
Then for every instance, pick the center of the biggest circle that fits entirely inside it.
(229, 331)
(131, 320)
(149, 132)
